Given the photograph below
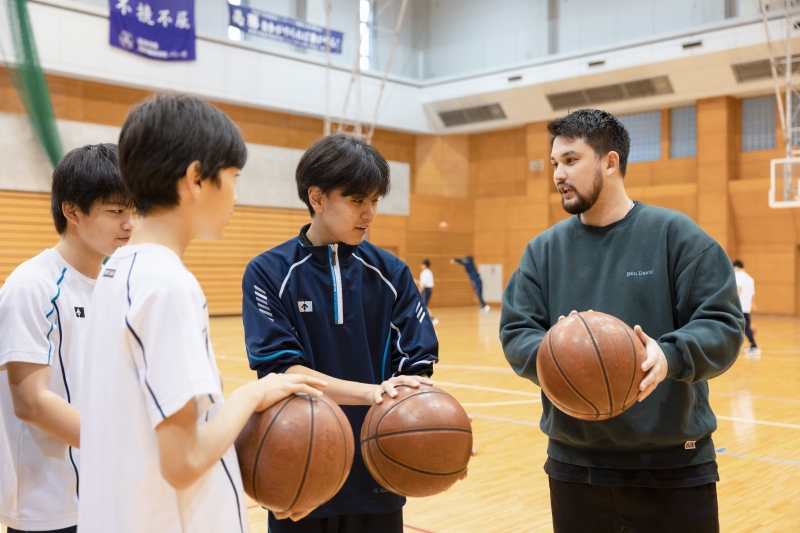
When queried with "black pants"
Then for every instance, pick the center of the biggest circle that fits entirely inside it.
(354, 523)
(426, 295)
(584, 508)
(72, 529)
(749, 331)
(477, 286)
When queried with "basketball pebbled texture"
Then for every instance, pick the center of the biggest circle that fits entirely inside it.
(297, 454)
(590, 366)
(417, 444)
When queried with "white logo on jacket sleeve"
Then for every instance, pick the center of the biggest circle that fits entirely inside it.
(690, 445)
(305, 306)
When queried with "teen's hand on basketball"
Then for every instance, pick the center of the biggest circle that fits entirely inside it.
(388, 386)
(273, 388)
(473, 453)
(655, 365)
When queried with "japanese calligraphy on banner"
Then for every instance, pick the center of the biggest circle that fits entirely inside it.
(288, 30)
(158, 29)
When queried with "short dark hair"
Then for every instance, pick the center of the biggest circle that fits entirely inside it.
(347, 164)
(163, 136)
(84, 176)
(599, 129)
(738, 264)
(426, 262)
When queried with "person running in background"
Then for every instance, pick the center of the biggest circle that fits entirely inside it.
(747, 289)
(477, 285)
(426, 285)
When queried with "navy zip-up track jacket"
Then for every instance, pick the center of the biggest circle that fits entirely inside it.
(350, 312)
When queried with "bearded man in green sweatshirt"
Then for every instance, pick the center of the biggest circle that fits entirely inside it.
(651, 469)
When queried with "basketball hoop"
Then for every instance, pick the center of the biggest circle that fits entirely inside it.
(784, 183)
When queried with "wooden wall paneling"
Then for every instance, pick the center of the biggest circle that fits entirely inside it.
(498, 163)
(715, 163)
(390, 232)
(219, 265)
(442, 165)
(426, 241)
(26, 228)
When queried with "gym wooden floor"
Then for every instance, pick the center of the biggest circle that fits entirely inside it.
(757, 403)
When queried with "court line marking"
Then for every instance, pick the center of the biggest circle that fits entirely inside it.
(501, 419)
(416, 529)
(760, 422)
(493, 404)
(747, 395)
(725, 451)
(231, 357)
(499, 369)
(783, 461)
(489, 389)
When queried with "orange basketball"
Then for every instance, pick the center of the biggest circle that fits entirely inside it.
(417, 444)
(297, 454)
(590, 366)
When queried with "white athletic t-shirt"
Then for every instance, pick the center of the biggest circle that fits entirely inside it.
(148, 355)
(44, 313)
(748, 286)
(426, 278)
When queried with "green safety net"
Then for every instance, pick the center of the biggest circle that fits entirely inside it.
(28, 78)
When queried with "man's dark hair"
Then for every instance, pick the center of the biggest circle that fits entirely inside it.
(738, 264)
(84, 176)
(427, 263)
(599, 129)
(163, 136)
(346, 164)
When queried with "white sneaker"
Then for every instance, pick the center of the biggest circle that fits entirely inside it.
(485, 309)
(752, 353)
(435, 321)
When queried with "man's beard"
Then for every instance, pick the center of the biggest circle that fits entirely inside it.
(582, 203)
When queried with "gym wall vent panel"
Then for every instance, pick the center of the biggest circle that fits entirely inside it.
(471, 115)
(610, 93)
(760, 69)
(758, 124)
(645, 132)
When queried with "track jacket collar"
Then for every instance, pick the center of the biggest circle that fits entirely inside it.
(320, 254)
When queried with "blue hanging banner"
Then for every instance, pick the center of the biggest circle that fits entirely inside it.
(158, 29)
(285, 29)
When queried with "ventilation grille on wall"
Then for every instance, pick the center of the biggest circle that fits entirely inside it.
(760, 69)
(470, 115)
(610, 93)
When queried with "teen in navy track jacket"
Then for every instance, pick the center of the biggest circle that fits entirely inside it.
(344, 310)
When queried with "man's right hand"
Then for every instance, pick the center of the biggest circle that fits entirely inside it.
(273, 388)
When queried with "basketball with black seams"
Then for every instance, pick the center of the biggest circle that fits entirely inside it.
(590, 365)
(417, 444)
(297, 454)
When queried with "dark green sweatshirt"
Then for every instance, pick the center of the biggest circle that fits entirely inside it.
(655, 268)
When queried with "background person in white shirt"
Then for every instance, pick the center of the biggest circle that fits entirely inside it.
(157, 437)
(44, 309)
(426, 285)
(747, 290)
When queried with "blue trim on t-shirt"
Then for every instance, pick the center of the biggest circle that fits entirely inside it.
(53, 308)
(138, 340)
(235, 493)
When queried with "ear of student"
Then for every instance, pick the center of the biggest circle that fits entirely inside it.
(70, 211)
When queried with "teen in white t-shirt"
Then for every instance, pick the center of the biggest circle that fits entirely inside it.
(426, 284)
(44, 312)
(747, 290)
(157, 437)
(153, 331)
